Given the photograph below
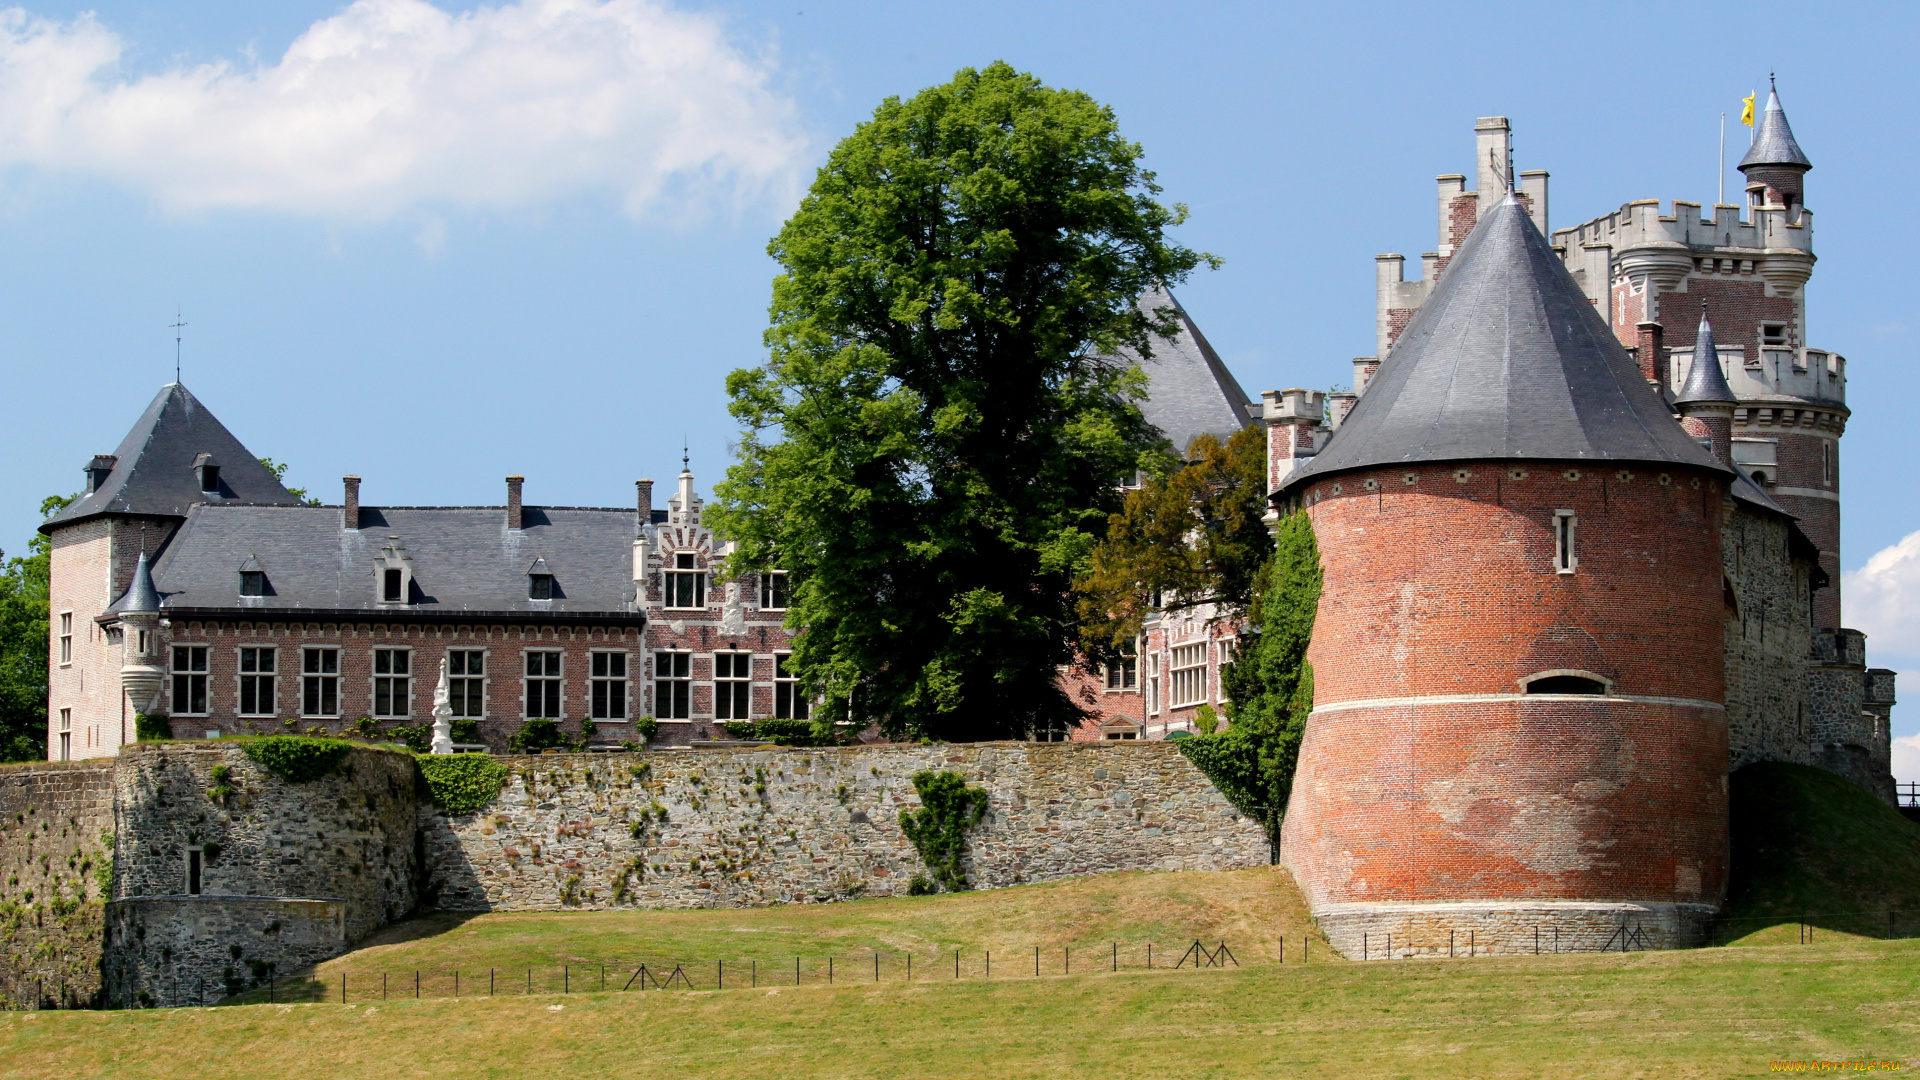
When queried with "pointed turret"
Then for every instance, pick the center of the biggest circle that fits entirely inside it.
(141, 676)
(1775, 165)
(141, 597)
(160, 469)
(1508, 360)
(1706, 402)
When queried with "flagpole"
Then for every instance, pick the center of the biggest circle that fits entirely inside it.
(1723, 159)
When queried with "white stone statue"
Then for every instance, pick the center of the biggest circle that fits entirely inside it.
(733, 613)
(442, 714)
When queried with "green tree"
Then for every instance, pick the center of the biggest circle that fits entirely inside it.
(1193, 533)
(279, 472)
(938, 437)
(1269, 684)
(24, 586)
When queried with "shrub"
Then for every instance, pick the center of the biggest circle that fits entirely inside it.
(647, 728)
(938, 830)
(780, 732)
(462, 783)
(297, 758)
(1206, 719)
(152, 727)
(921, 885)
(538, 735)
(466, 729)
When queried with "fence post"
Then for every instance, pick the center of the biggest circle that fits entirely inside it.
(876, 965)
(343, 988)
(416, 984)
(1363, 946)
(1449, 944)
(1116, 956)
(1036, 961)
(720, 974)
(566, 978)
(956, 963)
(796, 970)
(1470, 934)
(829, 971)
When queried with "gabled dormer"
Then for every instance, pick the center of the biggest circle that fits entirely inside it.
(393, 575)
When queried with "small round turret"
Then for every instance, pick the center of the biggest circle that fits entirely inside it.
(1706, 402)
(1775, 166)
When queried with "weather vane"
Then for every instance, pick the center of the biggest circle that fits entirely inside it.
(176, 327)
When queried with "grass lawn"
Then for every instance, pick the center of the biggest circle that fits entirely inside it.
(1703, 1013)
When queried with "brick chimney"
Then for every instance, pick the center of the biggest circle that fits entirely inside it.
(1650, 348)
(513, 500)
(645, 488)
(350, 510)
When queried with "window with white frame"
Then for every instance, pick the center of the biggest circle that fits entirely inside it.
(673, 680)
(66, 637)
(1124, 672)
(1225, 645)
(1188, 665)
(1153, 684)
(66, 734)
(732, 685)
(257, 669)
(543, 685)
(609, 679)
(320, 682)
(467, 682)
(392, 671)
(789, 700)
(1564, 560)
(773, 591)
(189, 680)
(686, 583)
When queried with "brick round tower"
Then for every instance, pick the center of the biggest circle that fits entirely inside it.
(1519, 720)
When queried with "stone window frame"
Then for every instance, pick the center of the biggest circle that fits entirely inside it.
(737, 686)
(787, 694)
(485, 679)
(1151, 684)
(595, 681)
(392, 559)
(66, 734)
(1606, 684)
(66, 639)
(334, 676)
(767, 590)
(1123, 677)
(176, 674)
(193, 871)
(241, 676)
(1124, 731)
(663, 684)
(375, 676)
(684, 564)
(559, 681)
(1566, 541)
(1181, 676)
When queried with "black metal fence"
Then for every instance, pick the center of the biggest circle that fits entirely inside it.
(624, 976)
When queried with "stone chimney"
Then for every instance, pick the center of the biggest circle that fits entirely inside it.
(645, 500)
(513, 500)
(350, 509)
(1650, 348)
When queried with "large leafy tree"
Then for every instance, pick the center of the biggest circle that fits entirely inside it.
(1193, 533)
(23, 646)
(936, 442)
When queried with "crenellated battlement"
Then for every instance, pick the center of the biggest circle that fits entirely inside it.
(1641, 224)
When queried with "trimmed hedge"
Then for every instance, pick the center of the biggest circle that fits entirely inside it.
(462, 783)
(297, 758)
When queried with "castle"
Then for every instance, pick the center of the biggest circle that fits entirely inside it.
(1579, 520)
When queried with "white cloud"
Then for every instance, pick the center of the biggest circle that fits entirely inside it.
(394, 103)
(1906, 759)
(1883, 598)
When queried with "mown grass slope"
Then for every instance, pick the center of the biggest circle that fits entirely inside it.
(1807, 843)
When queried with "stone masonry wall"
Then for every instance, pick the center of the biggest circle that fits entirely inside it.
(749, 827)
(1768, 639)
(56, 858)
(194, 950)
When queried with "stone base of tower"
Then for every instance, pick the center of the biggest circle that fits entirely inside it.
(1401, 931)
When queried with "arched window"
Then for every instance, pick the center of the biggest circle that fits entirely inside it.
(1561, 681)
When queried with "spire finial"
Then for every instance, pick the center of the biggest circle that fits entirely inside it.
(176, 326)
(685, 459)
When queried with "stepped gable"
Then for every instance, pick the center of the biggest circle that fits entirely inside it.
(1507, 360)
(1773, 141)
(1189, 390)
(463, 560)
(154, 474)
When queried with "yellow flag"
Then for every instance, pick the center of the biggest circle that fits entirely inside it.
(1746, 109)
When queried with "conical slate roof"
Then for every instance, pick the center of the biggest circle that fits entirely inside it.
(1773, 142)
(1189, 390)
(155, 475)
(1507, 360)
(140, 596)
(1705, 381)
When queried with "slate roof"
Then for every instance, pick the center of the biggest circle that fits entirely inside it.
(154, 475)
(1773, 141)
(1507, 360)
(140, 596)
(464, 559)
(1189, 390)
(1705, 381)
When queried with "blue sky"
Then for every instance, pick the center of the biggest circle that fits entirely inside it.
(394, 261)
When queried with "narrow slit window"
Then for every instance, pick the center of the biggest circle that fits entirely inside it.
(1564, 560)
(194, 856)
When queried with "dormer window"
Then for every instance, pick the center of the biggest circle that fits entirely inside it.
(393, 585)
(98, 470)
(253, 578)
(209, 471)
(393, 574)
(539, 581)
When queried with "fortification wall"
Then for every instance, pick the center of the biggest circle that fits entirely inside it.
(266, 846)
(750, 827)
(56, 859)
(1768, 639)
